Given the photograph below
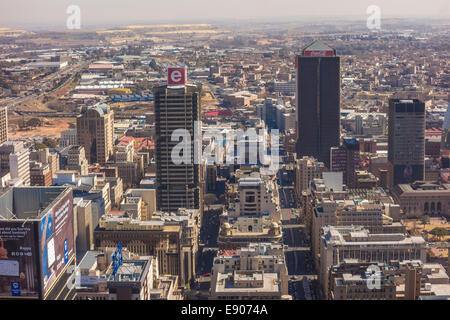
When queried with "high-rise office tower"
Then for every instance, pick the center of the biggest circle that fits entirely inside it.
(406, 150)
(95, 132)
(3, 124)
(318, 101)
(346, 159)
(177, 106)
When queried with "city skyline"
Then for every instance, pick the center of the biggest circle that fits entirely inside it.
(51, 14)
(268, 159)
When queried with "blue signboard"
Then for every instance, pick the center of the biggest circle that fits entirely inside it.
(66, 252)
(15, 289)
(117, 258)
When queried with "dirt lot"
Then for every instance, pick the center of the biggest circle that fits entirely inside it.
(52, 128)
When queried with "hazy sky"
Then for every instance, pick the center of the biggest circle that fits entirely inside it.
(43, 13)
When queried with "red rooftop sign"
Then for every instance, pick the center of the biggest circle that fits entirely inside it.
(176, 76)
(318, 53)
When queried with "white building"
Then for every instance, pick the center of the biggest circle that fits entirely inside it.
(356, 242)
(256, 197)
(15, 159)
(68, 138)
(257, 271)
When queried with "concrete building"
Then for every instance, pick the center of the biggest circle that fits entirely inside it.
(346, 159)
(133, 280)
(189, 220)
(40, 175)
(15, 159)
(44, 156)
(445, 139)
(423, 198)
(354, 287)
(98, 191)
(133, 206)
(406, 155)
(148, 197)
(115, 189)
(254, 272)
(244, 230)
(355, 242)
(253, 213)
(76, 160)
(255, 197)
(149, 238)
(68, 138)
(366, 180)
(352, 279)
(360, 207)
(129, 172)
(286, 88)
(84, 226)
(178, 185)
(370, 125)
(413, 276)
(368, 214)
(124, 152)
(306, 169)
(137, 278)
(239, 99)
(95, 132)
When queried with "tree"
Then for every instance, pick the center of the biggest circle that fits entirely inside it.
(439, 232)
(39, 145)
(34, 122)
(49, 142)
(425, 220)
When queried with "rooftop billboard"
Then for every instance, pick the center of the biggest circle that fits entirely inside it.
(19, 259)
(56, 241)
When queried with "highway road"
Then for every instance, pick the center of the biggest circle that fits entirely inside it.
(43, 85)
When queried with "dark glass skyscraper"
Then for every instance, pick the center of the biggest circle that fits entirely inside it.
(318, 101)
(406, 149)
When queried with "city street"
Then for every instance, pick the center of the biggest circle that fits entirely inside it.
(299, 263)
(207, 251)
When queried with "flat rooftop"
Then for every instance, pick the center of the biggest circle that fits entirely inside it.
(130, 270)
(271, 283)
(28, 203)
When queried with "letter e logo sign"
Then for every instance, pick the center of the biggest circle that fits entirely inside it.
(176, 76)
